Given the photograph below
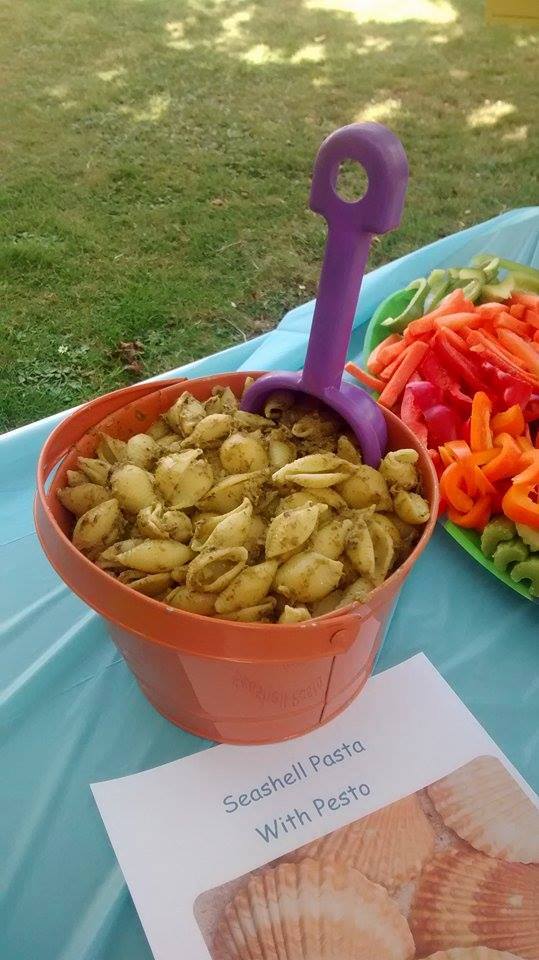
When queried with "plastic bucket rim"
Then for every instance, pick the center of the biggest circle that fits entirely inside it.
(337, 621)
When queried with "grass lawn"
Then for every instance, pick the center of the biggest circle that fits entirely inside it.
(157, 154)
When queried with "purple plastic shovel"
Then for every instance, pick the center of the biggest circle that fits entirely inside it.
(350, 229)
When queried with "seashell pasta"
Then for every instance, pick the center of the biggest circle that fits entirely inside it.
(267, 518)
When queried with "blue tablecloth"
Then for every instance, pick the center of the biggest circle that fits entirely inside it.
(71, 713)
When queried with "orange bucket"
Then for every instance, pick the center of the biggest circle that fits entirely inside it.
(220, 679)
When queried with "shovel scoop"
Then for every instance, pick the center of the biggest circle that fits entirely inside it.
(351, 226)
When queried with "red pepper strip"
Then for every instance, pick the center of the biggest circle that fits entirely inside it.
(518, 506)
(506, 462)
(442, 422)
(530, 475)
(455, 321)
(412, 417)
(517, 310)
(426, 394)
(377, 361)
(480, 433)
(365, 378)
(476, 518)
(536, 337)
(392, 391)
(509, 421)
(520, 348)
(450, 486)
(459, 365)
(531, 411)
(500, 356)
(507, 322)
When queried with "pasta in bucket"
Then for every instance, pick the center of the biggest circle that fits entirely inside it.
(215, 587)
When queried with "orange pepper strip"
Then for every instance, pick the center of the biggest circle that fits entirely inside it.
(484, 456)
(474, 519)
(524, 443)
(458, 449)
(480, 433)
(518, 506)
(508, 460)
(482, 482)
(365, 378)
(530, 475)
(509, 421)
(445, 456)
(450, 481)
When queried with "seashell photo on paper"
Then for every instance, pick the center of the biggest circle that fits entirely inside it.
(448, 873)
(228, 514)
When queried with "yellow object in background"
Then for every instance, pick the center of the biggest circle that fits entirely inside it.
(513, 11)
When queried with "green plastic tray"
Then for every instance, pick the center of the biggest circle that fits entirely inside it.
(467, 539)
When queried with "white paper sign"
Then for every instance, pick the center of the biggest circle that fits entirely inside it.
(183, 829)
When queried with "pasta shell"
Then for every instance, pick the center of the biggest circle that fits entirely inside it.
(277, 403)
(97, 471)
(347, 451)
(384, 549)
(411, 507)
(314, 465)
(327, 604)
(472, 953)
(290, 529)
(243, 453)
(133, 487)
(82, 497)
(209, 430)
(261, 612)
(108, 559)
(74, 477)
(356, 592)
(256, 537)
(170, 443)
(313, 427)
(215, 530)
(158, 429)
(248, 382)
(331, 538)
(485, 806)
(307, 577)
(184, 415)
(294, 615)
(312, 911)
(183, 478)
(194, 601)
(398, 469)
(251, 421)
(365, 487)
(152, 585)
(280, 452)
(111, 450)
(229, 493)
(466, 899)
(142, 450)
(98, 527)
(389, 846)
(160, 524)
(249, 588)
(360, 548)
(212, 570)
(223, 400)
(155, 556)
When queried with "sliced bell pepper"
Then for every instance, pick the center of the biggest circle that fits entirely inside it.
(451, 485)
(460, 366)
(445, 455)
(518, 505)
(443, 424)
(426, 394)
(480, 432)
(411, 416)
(412, 311)
(474, 519)
(431, 369)
(530, 475)
(509, 421)
(507, 460)
(458, 449)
